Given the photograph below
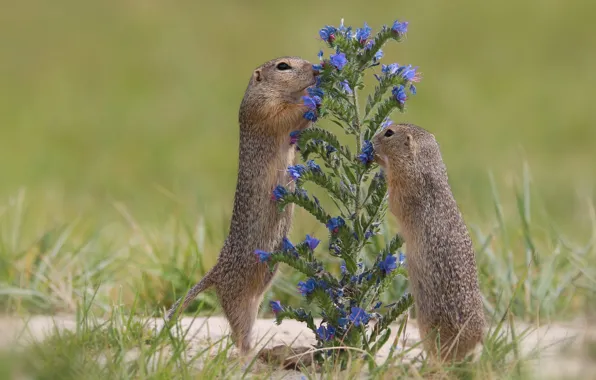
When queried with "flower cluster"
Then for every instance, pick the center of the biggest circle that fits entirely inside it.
(399, 93)
(399, 27)
(359, 316)
(338, 60)
(388, 264)
(326, 333)
(278, 193)
(312, 103)
(349, 301)
(334, 224)
(306, 288)
(309, 242)
(368, 154)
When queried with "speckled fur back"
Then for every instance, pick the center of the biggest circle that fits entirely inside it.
(270, 110)
(441, 262)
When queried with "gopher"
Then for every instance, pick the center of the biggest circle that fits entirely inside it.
(271, 109)
(441, 260)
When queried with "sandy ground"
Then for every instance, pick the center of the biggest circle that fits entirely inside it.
(561, 346)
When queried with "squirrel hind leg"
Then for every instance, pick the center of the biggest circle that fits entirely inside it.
(241, 312)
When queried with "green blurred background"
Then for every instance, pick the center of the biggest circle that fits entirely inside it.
(137, 101)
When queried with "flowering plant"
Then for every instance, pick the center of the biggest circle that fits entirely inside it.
(349, 301)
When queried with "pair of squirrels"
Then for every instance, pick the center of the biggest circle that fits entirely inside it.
(441, 261)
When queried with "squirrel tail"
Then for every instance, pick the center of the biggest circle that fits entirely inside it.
(205, 283)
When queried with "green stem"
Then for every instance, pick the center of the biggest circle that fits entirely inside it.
(359, 146)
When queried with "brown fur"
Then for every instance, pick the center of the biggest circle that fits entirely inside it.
(271, 109)
(440, 257)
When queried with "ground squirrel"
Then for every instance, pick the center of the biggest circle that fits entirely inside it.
(271, 109)
(440, 258)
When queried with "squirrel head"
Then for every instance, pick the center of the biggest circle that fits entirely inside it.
(409, 154)
(272, 102)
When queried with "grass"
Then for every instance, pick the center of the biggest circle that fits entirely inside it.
(118, 154)
(114, 279)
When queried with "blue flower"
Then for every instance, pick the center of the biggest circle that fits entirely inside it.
(342, 322)
(317, 67)
(305, 288)
(358, 316)
(378, 55)
(338, 60)
(368, 153)
(310, 115)
(387, 122)
(294, 137)
(279, 192)
(287, 245)
(327, 333)
(369, 44)
(312, 166)
(334, 224)
(413, 89)
(335, 248)
(379, 176)
(368, 234)
(276, 306)
(343, 268)
(311, 242)
(315, 92)
(400, 27)
(327, 33)
(320, 54)
(342, 28)
(399, 93)
(402, 258)
(346, 86)
(378, 305)
(262, 255)
(312, 102)
(329, 149)
(407, 72)
(296, 171)
(363, 33)
(388, 264)
(390, 69)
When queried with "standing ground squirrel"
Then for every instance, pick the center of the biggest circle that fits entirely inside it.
(271, 109)
(440, 257)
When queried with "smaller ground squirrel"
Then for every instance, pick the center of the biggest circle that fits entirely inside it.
(440, 257)
(271, 109)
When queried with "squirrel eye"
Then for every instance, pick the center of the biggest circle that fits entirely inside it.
(283, 66)
(388, 133)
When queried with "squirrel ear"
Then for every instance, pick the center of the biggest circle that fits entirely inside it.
(257, 75)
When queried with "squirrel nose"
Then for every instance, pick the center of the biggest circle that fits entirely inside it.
(315, 72)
